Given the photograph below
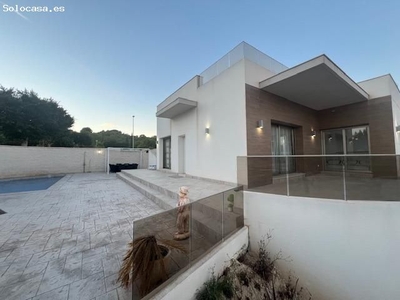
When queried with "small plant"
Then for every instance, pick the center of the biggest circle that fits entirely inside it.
(231, 200)
(216, 289)
(244, 279)
(264, 265)
(145, 262)
(289, 290)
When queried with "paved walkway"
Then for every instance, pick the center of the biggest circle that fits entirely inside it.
(67, 242)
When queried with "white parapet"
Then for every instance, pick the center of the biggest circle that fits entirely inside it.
(338, 249)
(187, 283)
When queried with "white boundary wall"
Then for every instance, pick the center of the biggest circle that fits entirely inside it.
(187, 283)
(19, 161)
(339, 249)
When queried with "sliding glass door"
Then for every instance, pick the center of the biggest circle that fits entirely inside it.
(357, 142)
(353, 140)
(282, 143)
(333, 144)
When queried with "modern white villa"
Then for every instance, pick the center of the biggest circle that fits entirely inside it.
(249, 104)
(303, 154)
(318, 155)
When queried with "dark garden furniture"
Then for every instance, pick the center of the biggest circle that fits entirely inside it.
(114, 168)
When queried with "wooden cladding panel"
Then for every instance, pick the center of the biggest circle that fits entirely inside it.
(261, 105)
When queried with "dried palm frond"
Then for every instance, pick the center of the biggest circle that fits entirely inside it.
(140, 259)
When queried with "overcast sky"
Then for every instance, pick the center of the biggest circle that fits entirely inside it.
(105, 61)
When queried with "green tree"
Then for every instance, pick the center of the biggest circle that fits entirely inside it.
(26, 118)
(112, 138)
(143, 141)
(87, 130)
(82, 139)
(115, 138)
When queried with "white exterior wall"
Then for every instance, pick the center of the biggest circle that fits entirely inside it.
(184, 125)
(255, 73)
(19, 161)
(188, 89)
(221, 107)
(376, 87)
(338, 249)
(163, 130)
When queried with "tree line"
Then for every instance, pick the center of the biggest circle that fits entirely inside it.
(26, 119)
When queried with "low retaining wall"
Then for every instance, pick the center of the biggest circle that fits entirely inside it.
(187, 283)
(19, 161)
(339, 249)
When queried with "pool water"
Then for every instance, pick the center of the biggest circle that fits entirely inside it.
(27, 185)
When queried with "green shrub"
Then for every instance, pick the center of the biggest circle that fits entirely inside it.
(215, 289)
(264, 265)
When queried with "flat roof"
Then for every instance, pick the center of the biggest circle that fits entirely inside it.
(176, 107)
(318, 84)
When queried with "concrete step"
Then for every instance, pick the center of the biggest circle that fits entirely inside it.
(158, 198)
(160, 189)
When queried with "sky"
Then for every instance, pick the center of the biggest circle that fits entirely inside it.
(105, 61)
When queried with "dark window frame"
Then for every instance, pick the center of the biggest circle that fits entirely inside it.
(165, 165)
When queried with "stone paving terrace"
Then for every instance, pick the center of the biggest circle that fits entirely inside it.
(67, 242)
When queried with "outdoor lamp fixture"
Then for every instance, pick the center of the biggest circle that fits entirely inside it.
(398, 128)
(313, 133)
(207, 130)
(260, 124)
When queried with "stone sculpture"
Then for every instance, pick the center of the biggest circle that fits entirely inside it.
(182, 220)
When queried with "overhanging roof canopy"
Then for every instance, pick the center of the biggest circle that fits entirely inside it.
(176, 107)
(318, 84)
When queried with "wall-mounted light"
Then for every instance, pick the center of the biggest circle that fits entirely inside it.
(398, 128)
(260, 124)
(207, 130)
(313, 133)
(99, 151)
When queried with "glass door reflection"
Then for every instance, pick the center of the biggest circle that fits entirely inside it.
(333, 144)
(357, 143)
(353, 140)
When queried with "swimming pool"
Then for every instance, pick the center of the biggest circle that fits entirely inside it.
(27, 184)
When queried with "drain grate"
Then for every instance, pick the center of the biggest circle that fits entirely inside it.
(2, 212)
